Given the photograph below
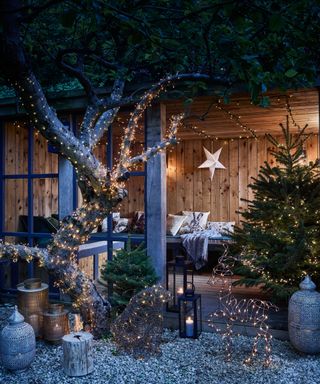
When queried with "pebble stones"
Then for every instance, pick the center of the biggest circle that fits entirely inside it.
(183, 361)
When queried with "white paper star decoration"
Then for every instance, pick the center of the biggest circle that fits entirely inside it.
(212, 161)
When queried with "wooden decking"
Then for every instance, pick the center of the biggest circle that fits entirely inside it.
(278, 321)
(210, 303)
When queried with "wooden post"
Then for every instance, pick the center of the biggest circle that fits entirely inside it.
(77, 354)
(156, 189)
(65, 188)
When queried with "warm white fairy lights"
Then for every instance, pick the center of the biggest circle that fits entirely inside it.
(138, 329)
(103, 189)
(124, 161)
(171, 139)
(253, 312)
(248, 132)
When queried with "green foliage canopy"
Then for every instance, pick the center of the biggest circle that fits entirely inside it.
(257, 44)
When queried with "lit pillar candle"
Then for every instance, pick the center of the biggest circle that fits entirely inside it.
(189, 327)
(58, 329)
(180, 291)
(78, 326)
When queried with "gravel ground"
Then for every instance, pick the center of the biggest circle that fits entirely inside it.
(182, 361)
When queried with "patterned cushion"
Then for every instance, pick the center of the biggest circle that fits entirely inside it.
(221, 227)
(174, 223)
(195, 221)
(137, 225)
(115, 218)
(122, 225)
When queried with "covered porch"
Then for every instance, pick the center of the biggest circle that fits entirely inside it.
(38, 187)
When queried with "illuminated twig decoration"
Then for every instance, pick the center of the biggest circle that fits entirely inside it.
(125, 162)
(139, 328)
(253, 312)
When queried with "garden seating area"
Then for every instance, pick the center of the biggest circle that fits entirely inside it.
(159, 192)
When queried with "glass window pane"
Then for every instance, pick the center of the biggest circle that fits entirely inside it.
(45, 207)
(13, 273)
(132, 207)
(91, 264)
(15, 148)
(45, 197)
(43, 160)
(100, 151)
(16, 205)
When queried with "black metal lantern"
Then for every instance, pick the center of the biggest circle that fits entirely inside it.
(179, 275)
(190, 315)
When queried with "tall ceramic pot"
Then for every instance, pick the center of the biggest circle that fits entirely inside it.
(304, 318)
(17, 343)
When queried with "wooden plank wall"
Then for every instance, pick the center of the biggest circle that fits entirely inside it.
(16, 162)
(190, 188)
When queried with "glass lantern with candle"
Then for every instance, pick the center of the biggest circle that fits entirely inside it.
(55, 323)
(179, 275)
(190, 315)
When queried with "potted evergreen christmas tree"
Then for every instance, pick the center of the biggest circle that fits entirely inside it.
(129, 272)
(280, 231)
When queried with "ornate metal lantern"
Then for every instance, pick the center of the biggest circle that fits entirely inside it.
(190, 314)
(179, 275)
(304, 318)
(55, 323)
(32, 301)
(17, 343)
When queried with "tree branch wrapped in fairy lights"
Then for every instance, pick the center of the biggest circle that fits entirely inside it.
(252, 312)
(102, 189)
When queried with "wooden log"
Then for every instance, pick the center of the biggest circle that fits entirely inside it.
(77, 354)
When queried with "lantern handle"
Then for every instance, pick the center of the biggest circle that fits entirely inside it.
(16, 317)
(190, 291)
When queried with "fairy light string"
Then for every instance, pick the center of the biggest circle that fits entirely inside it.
(138, 329)
(254, 312)
(248, 132)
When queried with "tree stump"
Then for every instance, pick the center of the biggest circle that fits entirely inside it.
(77, 354)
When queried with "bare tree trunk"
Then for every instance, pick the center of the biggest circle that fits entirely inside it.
(63, 265)
(60, 260)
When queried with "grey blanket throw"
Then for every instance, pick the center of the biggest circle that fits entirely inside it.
(196, 246)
